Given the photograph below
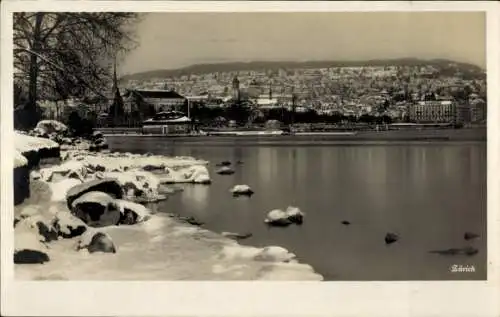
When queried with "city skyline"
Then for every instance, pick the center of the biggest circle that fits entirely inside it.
(185, 39)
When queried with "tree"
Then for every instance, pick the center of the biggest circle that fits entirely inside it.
(68, 53)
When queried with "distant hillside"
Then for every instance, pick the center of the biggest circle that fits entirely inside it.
(273, 65)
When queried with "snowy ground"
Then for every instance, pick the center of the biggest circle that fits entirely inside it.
(161, 248)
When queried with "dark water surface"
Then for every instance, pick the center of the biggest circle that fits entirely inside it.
(430, 194)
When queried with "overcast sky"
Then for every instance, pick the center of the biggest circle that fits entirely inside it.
(173, 40)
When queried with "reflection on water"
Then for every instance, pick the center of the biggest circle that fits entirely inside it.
(428, 194)
(198, 197)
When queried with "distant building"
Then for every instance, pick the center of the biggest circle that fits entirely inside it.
(433, 111)
(263, 102)
(463, 114)
(202, 98)
(478, 110)
(161, 100)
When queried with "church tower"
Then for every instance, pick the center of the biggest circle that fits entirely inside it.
(236, 89)
(117, 107)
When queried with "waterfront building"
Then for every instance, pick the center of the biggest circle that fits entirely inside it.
(433, 111)
(167, 123)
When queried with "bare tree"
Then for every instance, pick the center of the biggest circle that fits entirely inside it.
(63, 54)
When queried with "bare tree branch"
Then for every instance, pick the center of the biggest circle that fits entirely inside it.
(69, 52)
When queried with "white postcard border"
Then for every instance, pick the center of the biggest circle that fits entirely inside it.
(250, 298)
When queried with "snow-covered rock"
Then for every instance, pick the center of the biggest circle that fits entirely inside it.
(267, 254)
(30, 211)
(68, 169)
(69, 226)
(132, 213)
(28, 248)
(137, 185)
(96, 209)
(197, 174)
(278, 217)
(294, 214)
(225, 170)
(61, 188)
(38, 223)
(77, 145)
(95, 241)
(97, 134)
(290, 271)
(19, 160)
(51, 126)
(21, 178)
(107, 185)
(35, 149)
(34, 175)
(275, 254)
(121, 161)
(238, 190)
(25, 143)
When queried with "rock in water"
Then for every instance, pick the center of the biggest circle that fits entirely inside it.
(470, 251)
(197, 174)
(391, 238)
(96, 209)
(191, 221)
(225, 170)
(224, 163)
(451, 251)
(277, 217)
(106, 185)
(457, 251)
(470, 235)
(295, 215)
(242, 190)
(95, 241)
(236, 236)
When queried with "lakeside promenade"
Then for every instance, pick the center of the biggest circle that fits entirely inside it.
(358, 137)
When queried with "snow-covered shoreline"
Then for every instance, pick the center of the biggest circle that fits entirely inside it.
(148, 247)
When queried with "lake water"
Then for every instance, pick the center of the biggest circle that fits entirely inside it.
(429, 194)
